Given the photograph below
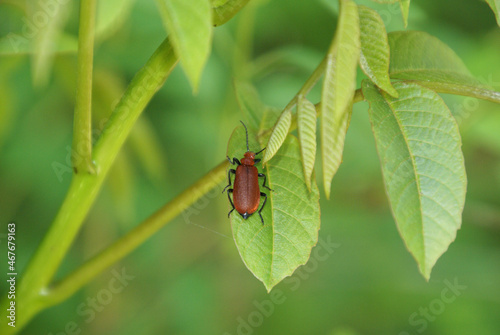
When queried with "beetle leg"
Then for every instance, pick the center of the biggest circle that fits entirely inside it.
(231, 201)
(262, 194)
(234, 161)
(229, 178)
(264, 183)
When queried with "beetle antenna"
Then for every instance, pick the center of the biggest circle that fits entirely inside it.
(246, 131)
(260, 151)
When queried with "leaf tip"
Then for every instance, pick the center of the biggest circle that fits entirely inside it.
(425, 271)
(308, 184)
(195, 85)
(194, 73)
(265, 159)
(392, 91)
(327, 189)
(268, 287)
(405, 10)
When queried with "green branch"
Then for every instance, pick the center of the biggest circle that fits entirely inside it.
(33, 294)
(85, 187)
(135, 237)
(308, 85)
(304, 90)
(82, 127)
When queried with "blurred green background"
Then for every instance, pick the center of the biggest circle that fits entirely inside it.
(188, 278)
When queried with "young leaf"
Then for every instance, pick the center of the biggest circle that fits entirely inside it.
(250, 103)
(15, 44)
(269, 117)
(419, 147)
(416, 55)
(338, 89)
(419, 56)
(43, 55)
(374, 56)
(224, 10)
(291, 215)
(190, 26)
(405, 10)
(495, 7)
(278, 136)
(111, 14)
(306, 127)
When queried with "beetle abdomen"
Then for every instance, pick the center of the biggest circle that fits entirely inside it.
(246, 193)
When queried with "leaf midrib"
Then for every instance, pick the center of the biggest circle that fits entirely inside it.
(417, 180)
(271, 195)
(432, 70)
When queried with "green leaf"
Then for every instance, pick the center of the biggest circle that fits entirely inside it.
(274, 250)
(495, 7)
(419, 147)
(15, 44)
(416, 55)
(250, 103)
(405, 10)
(419, 56)
(374, 56)
(224, 10)
(43, 41)
(338, 89)
(269, 117)
(306, 127)
(111, 14)
(190, 27)
(278, 136)
(258, 115)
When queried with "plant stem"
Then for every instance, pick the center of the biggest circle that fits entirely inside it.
(84, 187)
(126, 244)
(32, 293)
(309, 84)
(81, 151)
(304, 90)
(358, 97)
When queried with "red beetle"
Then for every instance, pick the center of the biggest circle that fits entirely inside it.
(246, 191)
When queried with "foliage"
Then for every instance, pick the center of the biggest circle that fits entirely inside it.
(417, 138)
(416, 135)
(273, 250)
